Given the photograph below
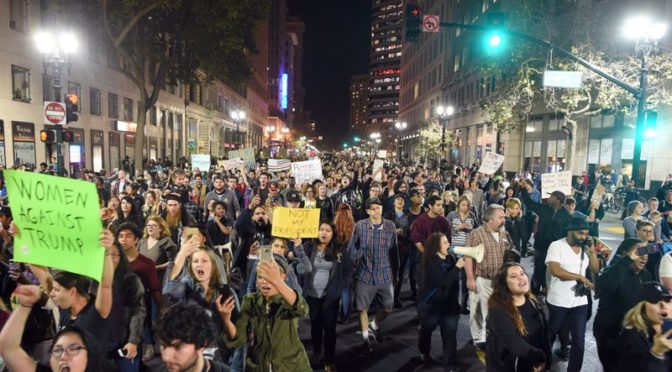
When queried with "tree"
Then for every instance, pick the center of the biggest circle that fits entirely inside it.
(161, 42)
(430, 145)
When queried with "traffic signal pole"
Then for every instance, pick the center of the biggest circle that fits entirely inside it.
(639, 93)
(60, 164)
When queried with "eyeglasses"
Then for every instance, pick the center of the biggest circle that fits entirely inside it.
(71, 351)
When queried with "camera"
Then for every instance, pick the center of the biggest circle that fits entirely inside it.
(581, 290)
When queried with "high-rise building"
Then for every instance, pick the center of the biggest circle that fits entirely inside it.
(386, 23)
(296, 117)
(359, 91)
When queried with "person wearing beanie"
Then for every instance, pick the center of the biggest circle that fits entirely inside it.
(618, 287)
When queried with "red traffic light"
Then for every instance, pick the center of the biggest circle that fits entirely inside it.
(416, 11)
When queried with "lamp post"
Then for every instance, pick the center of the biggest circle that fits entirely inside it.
(238, 117)
(444, 113)
(399, 126)
(646, 35)
(375, 137)
(56, 49)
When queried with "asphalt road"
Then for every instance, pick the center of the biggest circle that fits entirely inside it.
(399, 351)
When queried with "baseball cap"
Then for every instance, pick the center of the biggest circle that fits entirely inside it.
(293, 196)
(653, 292)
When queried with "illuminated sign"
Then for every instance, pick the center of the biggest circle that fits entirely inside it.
(125, 126)
(283, 92)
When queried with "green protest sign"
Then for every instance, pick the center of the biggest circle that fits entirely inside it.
(59, 222)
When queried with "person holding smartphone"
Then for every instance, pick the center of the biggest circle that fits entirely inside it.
(618, 287)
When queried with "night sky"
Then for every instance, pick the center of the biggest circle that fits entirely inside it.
(337, 41)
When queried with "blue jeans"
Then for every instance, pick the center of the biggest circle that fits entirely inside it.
(575, 318)
(346, 304)
(430, 318)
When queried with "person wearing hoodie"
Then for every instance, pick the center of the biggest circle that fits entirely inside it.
(617, 287)
(221, 193)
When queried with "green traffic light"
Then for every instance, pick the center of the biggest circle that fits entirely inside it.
(356, 139)
(495, 41)
(649, 133)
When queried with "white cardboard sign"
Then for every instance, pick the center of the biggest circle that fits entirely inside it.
(491, 163)
(560, 181)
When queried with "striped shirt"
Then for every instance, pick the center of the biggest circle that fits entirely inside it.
(374, 249)
(459, 237)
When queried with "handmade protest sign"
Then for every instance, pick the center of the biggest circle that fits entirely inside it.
(378, 170)
(598, 193)
(296, 222)
(59, 222)
(200, 161)
(491, 163)
(247, 154)
(232, 164)
(560, 181)
(307, 171)
(382, 154)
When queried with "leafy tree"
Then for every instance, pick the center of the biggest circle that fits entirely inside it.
(430, 144)
(161, 42)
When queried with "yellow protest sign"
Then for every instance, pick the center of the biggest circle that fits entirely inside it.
(293, 222)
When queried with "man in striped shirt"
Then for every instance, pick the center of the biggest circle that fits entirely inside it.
(373, 249)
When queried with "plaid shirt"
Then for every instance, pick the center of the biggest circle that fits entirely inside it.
(494, 251)
(375, 252)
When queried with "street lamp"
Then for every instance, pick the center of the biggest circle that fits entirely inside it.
(646, 35)
(238, 117)
(399, 126)
(56, 49)
(444, 113)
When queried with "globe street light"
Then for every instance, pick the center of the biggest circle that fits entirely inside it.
(646, 35)
(238, 116)
(444, 113)
(56, 49)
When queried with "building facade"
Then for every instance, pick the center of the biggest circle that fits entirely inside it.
(386, 43)
(359, 92)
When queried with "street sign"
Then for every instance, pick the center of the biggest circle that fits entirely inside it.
(430, 23)
(563, 79)
(54, 113)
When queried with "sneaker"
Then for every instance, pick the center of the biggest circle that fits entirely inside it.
(562, 353)
(375, 334)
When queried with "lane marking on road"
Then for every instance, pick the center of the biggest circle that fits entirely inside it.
(616, 229)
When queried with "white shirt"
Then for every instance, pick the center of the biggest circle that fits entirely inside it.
(665, 269)
(561, 292)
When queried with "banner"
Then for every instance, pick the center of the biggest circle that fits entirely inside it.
(247, 154)
(307, 171)
(491, 163)
(560, 181)
(378, 170)
(296, 222)
(200, 161)
(59, 222)
(279, 165)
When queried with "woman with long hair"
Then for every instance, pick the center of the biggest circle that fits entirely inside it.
(197, 276)
(439, 305)
(643, 344)
(127, 212)
(323, 286)
(157, 244)
(151, 206)
(517, 328)
(449, 205)
(345, 224)
(324, 202)
(73, 348)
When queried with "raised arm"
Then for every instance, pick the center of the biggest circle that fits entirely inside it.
(104, 294)
(16, 359)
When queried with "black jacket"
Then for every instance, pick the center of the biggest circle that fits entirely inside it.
(617, 287)
(340, 276)
(552, 223)
(634, 353)
(517, 230)
(442, 286)
(507, 350)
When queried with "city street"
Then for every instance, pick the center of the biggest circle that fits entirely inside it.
(399, 351)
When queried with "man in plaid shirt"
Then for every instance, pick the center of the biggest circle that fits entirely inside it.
(373, 248)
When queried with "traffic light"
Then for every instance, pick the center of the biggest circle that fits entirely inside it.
(413, 22)
(650, 124)
(68, 135)
(48, 136)
(495, 37)
(71, 108)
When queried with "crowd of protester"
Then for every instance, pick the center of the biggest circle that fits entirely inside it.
(194, 280)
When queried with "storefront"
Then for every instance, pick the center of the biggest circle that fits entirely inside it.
(97, 149)
(23, 135)
(115, 151)
(3, 160)
(77, 152)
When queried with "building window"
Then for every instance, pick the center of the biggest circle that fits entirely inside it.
(47, 87)
(128, 109)
(152, 116)
(95, 98)
(112, 105)
(20, 83)
(18, 15)
(76, 89)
